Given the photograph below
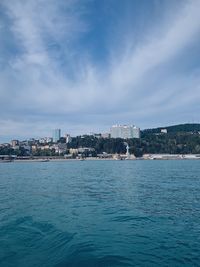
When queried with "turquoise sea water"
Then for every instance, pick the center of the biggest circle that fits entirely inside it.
(100, 213)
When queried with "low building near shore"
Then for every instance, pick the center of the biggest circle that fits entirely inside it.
(68, 156)
(171, 156)
(191, 156)
(104, 155)
(162, 156)
(124, 157)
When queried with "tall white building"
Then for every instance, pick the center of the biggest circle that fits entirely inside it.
(125, 131)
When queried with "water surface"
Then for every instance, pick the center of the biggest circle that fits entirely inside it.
(100, 213)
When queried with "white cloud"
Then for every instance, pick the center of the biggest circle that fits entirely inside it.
(132, 66)
(35, 83)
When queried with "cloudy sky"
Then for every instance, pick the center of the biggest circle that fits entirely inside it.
(83, 66)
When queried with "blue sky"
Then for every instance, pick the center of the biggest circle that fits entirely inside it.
(83, 66)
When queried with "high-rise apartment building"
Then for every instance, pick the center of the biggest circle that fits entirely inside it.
(125, 131)
(56, 135)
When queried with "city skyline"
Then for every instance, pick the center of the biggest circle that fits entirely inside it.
(85, 65)
(57, 133)
(49, 133)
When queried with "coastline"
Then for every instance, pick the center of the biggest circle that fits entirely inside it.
(45, 160)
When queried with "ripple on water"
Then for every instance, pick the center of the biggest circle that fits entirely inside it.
(89, 261)
(100, 213)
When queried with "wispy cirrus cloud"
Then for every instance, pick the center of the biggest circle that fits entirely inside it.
(52, 78)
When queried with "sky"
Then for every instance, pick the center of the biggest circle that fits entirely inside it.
(84, 65)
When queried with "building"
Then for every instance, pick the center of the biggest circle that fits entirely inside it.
(56, 135)
(45, 140)
(59, 148)
(68, 138)
(49, 140)
(85, 149)
(42, 141)
(14, 143)
(125, 131)
(163, 131)
(136, 132)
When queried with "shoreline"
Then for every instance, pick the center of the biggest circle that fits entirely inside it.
(93, 159)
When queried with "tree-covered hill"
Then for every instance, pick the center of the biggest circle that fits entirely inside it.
(180, 139)
(184, 128)
(172, 143)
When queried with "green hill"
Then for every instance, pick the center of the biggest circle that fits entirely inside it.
(184, 128)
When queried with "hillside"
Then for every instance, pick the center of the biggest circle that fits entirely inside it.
(180, 139)
(180, 128)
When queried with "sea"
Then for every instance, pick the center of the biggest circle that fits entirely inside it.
(100, 213)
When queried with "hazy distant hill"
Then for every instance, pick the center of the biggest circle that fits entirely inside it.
(186, 128)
